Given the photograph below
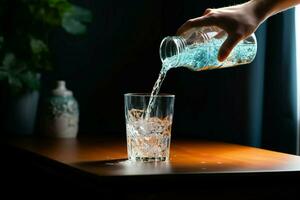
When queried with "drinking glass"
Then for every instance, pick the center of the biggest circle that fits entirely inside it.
(148, 128)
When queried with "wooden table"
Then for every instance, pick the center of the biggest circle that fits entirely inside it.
(205, 168)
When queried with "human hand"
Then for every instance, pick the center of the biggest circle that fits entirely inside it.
(238, 21)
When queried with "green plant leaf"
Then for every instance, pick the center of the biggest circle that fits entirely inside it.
(9, 60)
(55, 3)
(30, 79)
(73, 20)
(3, 75)
(38, 46)
(14, 81)
(60, 5)
(81, 14)
(24, 51)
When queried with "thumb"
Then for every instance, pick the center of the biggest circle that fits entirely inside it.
(227, 47)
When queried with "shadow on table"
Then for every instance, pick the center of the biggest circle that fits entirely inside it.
(119, 167)
(101, 163)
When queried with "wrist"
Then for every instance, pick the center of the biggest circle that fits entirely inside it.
(262, 9)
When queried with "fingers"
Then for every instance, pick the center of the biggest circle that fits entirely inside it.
(200, 21)
(227, 47)
(208, 10)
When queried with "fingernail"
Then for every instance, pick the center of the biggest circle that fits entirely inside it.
(221, 58)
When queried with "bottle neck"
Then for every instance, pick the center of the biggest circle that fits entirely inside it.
(61, 89)
(170, 49)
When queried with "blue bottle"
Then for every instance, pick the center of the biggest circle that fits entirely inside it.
(197, 49)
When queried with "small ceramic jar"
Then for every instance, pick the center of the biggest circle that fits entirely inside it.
(62, 113)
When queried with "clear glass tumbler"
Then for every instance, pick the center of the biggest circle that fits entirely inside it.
(148, 136)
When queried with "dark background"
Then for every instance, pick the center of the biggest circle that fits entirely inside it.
(119, 54)
(251, 104)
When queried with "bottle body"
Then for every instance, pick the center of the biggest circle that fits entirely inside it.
(197, 49)
(61, 113)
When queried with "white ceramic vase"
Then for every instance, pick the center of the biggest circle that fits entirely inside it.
(62, 113)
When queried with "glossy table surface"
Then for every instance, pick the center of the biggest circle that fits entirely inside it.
(108, 157)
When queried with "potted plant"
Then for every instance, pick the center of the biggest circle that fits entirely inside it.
(25, 26)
